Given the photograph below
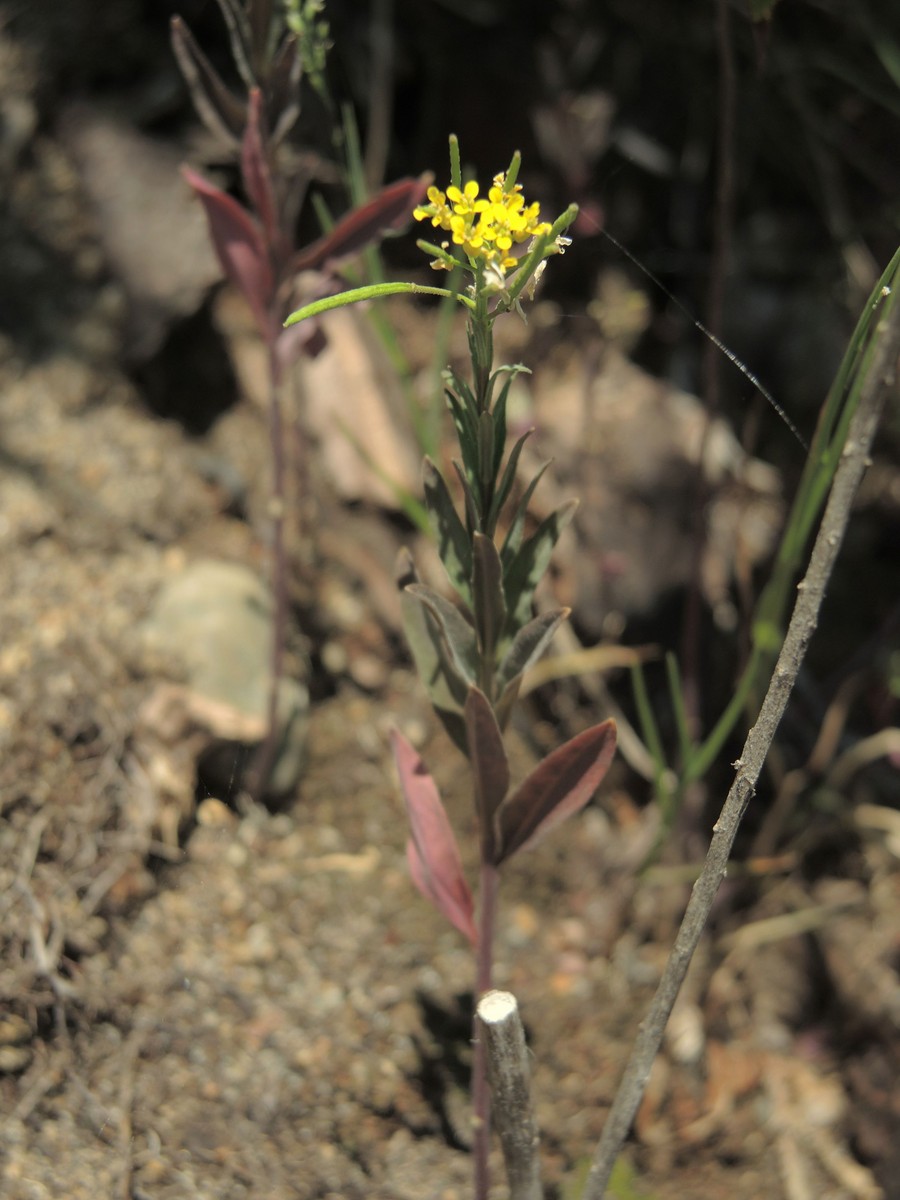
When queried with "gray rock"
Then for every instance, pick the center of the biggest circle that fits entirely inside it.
(211, 628)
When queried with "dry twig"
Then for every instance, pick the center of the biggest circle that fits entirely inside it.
(810, 593)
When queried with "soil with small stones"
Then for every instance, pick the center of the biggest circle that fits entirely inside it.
(202, 997)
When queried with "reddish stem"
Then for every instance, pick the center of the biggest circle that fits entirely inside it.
(266, 758)
(487, 892)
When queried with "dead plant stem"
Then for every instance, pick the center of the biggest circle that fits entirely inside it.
(500, 1025)
(810, 593)
(487, 919)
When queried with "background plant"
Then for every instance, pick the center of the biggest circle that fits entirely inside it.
(257, 245)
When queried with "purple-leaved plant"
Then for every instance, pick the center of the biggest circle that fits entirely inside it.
(472, 654)
(257, 245)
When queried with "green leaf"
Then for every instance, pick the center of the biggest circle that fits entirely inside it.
(498, 415)
(509, 475)
(466, 431)
(490, 766)
(446, 691)
(514, 534)
(499, 409)
(507, 700)
(531, 560)
(528, 645)
(458, 636)
(453, 542)
(485, 454)
(471, 506)
(488, 602)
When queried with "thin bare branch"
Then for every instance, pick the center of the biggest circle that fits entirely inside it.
(810, 593)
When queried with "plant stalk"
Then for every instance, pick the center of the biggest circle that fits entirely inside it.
(507, 1061)
(489, 879)
(265, 760)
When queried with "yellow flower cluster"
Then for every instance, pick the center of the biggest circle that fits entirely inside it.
(487, 228)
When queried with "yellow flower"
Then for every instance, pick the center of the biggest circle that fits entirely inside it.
(487, 229)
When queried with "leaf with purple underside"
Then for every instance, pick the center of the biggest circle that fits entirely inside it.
(558, 787)
(257, 176)
(240, 249)
(490, 766)
(487, 591)
(388, 210)
(433, 855)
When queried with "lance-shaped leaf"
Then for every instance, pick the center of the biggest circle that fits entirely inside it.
(466, 423)
(284, 88)
(240, 37)
(219, 109)
(432, 853)
(513, 539)
(457, 634)
(528, 645)
(454, 547)
(499, 409)
(506, 482)
(240, 249)
(558, 787)
(490, 767)
(471, 506)
(507, 700)
(257, 175)
(390, 209)
(259, 22)
(485, 452)
(443, 687)
(487, 586)
(530, 562)
(498, 416)
(446, 690)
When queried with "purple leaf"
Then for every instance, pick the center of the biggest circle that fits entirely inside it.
(240, 249)
(490, 766)
(432, 852)
(390, 209)
(257, 176)
(558, 787)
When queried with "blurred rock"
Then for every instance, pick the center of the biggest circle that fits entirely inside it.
(628, 445)
(152, 232)
(211, 627)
